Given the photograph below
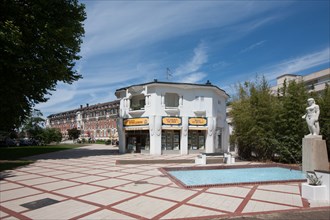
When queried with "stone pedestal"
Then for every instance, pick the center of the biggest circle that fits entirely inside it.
(313, 193)
(315, 156)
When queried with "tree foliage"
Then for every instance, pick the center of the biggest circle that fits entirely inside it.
(39, 44)
(253, 119)
(73, 133)
(270, 127)
(51, 135)
(324, 103)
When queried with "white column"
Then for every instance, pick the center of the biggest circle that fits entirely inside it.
(184, 136)
(156, 138)
(121, 136)
(210, 136)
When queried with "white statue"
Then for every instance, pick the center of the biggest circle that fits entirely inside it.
(312, 117)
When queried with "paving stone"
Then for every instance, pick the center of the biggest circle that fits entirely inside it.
(78, 190)
(187, 211)
(106, 214)
(107, 197)
(63, 210)
(144, 206)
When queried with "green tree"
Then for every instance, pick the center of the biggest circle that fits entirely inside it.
(253, 119)
(33, 125)
(51, 135)
(324, 118)
(39, 44)
(290, 127)
(73, 133)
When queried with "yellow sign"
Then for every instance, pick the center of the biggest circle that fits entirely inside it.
(198, 121)
(136, 121)
(171, 121)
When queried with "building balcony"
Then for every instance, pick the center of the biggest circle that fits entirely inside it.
(172, 110)
(136, 111)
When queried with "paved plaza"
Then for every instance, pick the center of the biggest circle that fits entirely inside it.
(86, 183)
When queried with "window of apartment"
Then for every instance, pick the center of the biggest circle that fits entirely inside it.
(172, 100)
(138, 102)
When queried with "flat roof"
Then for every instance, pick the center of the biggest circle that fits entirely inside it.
(287, 74)
(207, 84)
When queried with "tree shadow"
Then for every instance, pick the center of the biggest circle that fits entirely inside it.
(74, 154)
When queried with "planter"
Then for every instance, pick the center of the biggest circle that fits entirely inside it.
(314, 193)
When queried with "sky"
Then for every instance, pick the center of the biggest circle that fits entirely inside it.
(226, 42)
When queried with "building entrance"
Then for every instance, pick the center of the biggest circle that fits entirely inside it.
(170, 140)
(196, 140)
(137, 141)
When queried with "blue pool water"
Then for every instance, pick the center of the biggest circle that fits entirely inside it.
(237, 175)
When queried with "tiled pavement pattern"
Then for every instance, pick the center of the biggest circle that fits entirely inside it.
(94, 187)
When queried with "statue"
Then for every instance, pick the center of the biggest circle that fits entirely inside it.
(312, 117)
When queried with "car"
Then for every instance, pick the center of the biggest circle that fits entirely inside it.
(8, 142)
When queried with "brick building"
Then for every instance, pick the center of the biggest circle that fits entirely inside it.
(94, 121)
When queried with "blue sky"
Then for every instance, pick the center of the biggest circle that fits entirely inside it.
(226, 42)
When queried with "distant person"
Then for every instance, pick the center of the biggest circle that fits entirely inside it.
(312, 117)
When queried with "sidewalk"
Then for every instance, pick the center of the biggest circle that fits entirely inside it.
(86, 183)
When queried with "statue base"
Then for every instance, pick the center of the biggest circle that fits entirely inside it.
(315, 156)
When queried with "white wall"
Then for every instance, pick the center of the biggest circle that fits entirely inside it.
(214, 107)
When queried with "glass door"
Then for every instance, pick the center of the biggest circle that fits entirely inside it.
(171, 140)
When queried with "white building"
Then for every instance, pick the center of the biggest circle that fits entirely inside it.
(314, 81)
(166, 117)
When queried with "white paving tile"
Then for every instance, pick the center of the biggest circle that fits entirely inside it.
(186, 211)
(231, 191)
(107, 197)
(63, 210)
(16, 204)
(56, 185)
(111, 182)
(38, 181)
(281, 188)
(8, 185)
(78, 190)
(277, 197)
(17, 193)
(144, 206)
(175, 194)
(137, 188)
(106, 214)
(220, 202)
(256, 206)
(88, 179)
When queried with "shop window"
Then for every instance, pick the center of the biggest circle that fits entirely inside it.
(171, 140)
(196, 140)
(138, 102)
(171, 100)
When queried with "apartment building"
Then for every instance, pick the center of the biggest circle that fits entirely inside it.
(94, 121)
(314, 81)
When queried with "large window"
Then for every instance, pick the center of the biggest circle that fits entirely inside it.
(138, 102)
(170, 140)
(171, 100)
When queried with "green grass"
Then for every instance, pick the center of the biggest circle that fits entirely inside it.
(11, 156)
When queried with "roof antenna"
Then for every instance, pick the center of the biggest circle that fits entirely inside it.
(169, 73)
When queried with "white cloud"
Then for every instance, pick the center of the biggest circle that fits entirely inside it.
(271, 72)
(194, 77)
(113, 26)
(253, 46)
(300, 63)
(199, 58)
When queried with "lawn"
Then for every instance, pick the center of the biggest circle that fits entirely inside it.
(11, 156)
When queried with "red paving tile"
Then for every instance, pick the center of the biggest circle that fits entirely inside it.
(95, 188)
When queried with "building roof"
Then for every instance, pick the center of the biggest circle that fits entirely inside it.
(89, 107)
(207, 84)
(287, 74)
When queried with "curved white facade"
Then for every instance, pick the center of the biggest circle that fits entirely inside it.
(165, 117)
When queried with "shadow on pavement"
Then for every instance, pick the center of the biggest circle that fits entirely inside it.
(74, 154)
